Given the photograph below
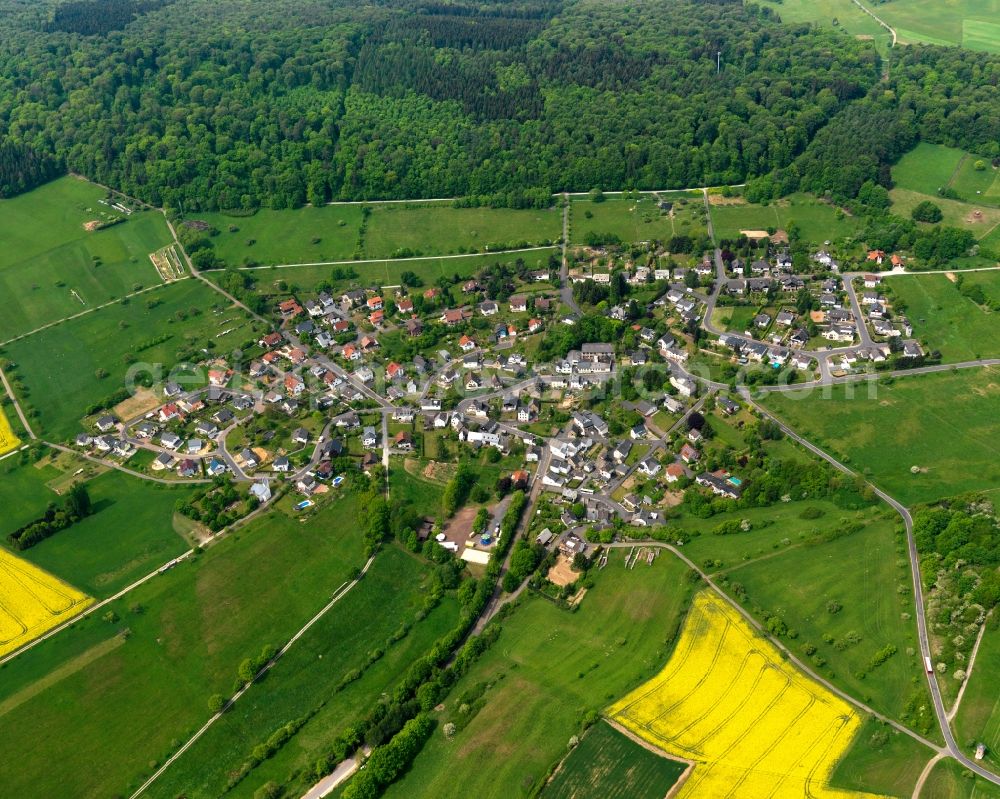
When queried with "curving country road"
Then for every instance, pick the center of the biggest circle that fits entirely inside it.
(918, 594)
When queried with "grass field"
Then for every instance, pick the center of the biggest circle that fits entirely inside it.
(55, 268)
(949, 780)
(727, 700)
(930, 167)
(954, 212)
(948, 321)
(23, 491)
(882, 760)
(634, 220)
(8, 438)
(441, 229)
(32, 602)
(797, 586)
(130, 534)
(837, 14)
(978, 717)
(303, 684)
(188, 630)
(286, 237)
(389, 272)
(609, 765)
(773, 529)
(969, 23)
(926, 168)
(59, 366)
(942, 423)
(547, 669)
(817, 221)
(332, 233)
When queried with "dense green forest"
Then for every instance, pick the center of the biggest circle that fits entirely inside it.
(208, 104)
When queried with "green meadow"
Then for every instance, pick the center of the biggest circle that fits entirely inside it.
(968, 23)
(52, 267)
(130, 534)
(64, 369)
(305, 235)
(135, 679)
(926, 168)
(817, 221)
(636, 219)
(442, 229)
(920, 437)
(609, 765)
(881, 760)
(388, 272)
(835, 14)
(304, 684)
(798, 586)
(950, 780)
(954, 212)
(945, 319)
(343, 232)
(978, 717)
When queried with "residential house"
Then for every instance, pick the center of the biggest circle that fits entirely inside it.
(369, 438)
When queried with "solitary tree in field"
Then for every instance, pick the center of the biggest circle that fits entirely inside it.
(78, 501)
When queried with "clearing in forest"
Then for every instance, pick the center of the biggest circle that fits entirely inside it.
(753, 725)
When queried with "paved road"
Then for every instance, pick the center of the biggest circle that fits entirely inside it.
(866, 338)
(337, 596)
(498, 600)
(918, 595)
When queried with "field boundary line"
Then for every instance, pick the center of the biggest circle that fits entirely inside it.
(89, 310)
(954, 172)
(928, 768)
(391, 260)
(759, 629)
(212, 539)
(881, 22)
(17, 406)
(968, 672)
(620, 728)
(96, 606)
(339, 594)
(14, 451)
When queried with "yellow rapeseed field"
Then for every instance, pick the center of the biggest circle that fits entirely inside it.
(32, 602)
(8, 440)
(753, 725)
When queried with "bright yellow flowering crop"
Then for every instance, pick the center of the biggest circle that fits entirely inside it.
(8, 440)
(32, 602)
(752, 724)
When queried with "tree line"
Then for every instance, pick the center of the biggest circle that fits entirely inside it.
(54, 520)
